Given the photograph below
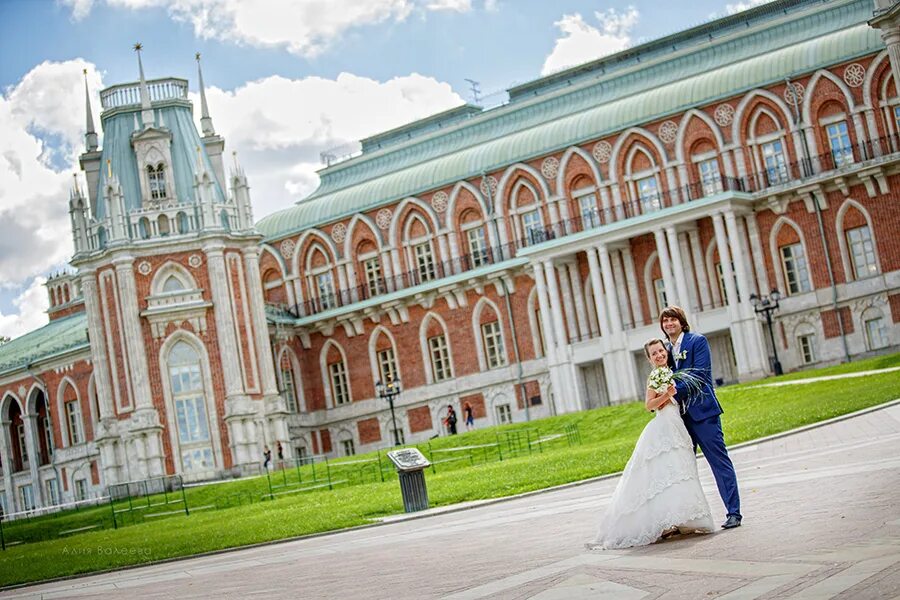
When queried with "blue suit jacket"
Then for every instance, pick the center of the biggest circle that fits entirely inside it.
(697, 361)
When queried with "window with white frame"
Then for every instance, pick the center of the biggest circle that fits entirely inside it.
(796, 270)
(587, 208)
(876, 334)
(374, 280)
(189, 402)
(720, 277)
(862, 252)
(504, 414)
(532, 227)
(156, 179)
(440, 357)
(648, 193)
(775, 162)
(23, 446)
(48, 434)
(839, 143)
(81, 491)
(340, 390)
(26, 496)
(52, 489)
(659, 289)
(477, 246)
(76, 428)
(387, 365)
(348, 447)
(302, 454)
(710, 179)
(806, 343)
(424, 261)
(325, 289)
(494, 352)
(289, 389)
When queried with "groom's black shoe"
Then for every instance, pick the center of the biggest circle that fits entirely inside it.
(731, 522)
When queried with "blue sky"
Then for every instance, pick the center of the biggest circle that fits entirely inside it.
(285, 79)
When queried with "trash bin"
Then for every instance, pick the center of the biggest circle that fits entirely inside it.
(411, 466)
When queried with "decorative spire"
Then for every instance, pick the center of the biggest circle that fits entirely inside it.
(146, 109)
(90, 136)
(206, 124)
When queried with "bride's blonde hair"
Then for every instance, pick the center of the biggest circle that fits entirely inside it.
(649, 343)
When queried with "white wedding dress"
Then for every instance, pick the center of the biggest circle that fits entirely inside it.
(659, 489)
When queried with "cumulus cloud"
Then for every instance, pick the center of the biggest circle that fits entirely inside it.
(41, 127)
(582, 41)
(280, 126)
(303, 27)
(741, 6)
(31, 306)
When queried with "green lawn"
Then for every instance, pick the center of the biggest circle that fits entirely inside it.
(608, 436)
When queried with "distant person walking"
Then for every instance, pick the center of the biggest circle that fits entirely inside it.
(468, 416)
(450, 420)
(267, 458)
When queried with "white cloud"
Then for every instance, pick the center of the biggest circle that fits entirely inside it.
(303, 27)
(279, 126)
(582, 41)
(41, 128)
(31, 306)
(450, 5)
(741, 6)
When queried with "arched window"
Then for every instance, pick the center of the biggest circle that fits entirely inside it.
(156, 178)
(189, 404)
(875, 328)
(173, 284)
(288, 384)
(335, 375)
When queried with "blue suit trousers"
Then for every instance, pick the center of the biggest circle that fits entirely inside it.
(707, 434)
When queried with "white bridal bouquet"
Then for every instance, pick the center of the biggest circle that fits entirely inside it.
(660, 379)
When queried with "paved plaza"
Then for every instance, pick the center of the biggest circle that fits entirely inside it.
(820, 521)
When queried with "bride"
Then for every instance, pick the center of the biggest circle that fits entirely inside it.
(659, 492)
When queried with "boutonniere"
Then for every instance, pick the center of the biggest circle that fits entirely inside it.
(679, 356)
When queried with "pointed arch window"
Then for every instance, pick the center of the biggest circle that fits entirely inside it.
(289, 388)
(340, 390)
(494, 352)
(775, 162)
(156, 178)
(440, 357)
(839, 143)
(796, 269)
(73, 418)
(862, 252)
(189, 400)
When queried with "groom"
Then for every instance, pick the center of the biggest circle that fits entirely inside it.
(689, 352)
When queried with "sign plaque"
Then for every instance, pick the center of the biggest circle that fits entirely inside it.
(408, 459)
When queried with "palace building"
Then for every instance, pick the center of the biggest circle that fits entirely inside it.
(514, 258)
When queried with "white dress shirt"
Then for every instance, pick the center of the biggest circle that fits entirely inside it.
(676, 348)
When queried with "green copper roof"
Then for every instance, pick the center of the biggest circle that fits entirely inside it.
(117, 129)
(782, 45)
(61, 335)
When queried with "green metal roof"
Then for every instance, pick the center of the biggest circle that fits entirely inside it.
(782, 46)
(61, 335)
(176, 116)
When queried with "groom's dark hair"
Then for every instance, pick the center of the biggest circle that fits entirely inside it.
(674, 312)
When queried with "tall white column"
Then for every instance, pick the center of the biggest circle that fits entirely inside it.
(228, 349)
(34, 457)
(634, 296)
(98, 344)
(134, 339)
(665, 266)
(260, 325)
(599, 296)
(700, 269)
(739, 256)
(622, 295)
(678, 266)
(578, 294)
(737, 334)
(684, 250)
(615, 317)
(762, 279)
(568, 305)
(559, 328)
(7, 459)
(544, 303)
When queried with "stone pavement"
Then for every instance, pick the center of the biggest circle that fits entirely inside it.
(820, 521)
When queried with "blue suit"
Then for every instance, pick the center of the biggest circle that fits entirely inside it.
(700, 411)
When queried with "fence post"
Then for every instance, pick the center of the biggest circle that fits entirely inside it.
(299, 476)
(499, 449)
(380, 471)
(269, 479)
(328, 473)
(112, 507)
(183, 496)
(2, 539)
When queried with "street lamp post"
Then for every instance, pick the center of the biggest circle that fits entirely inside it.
(388, 391)
(767, 305)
